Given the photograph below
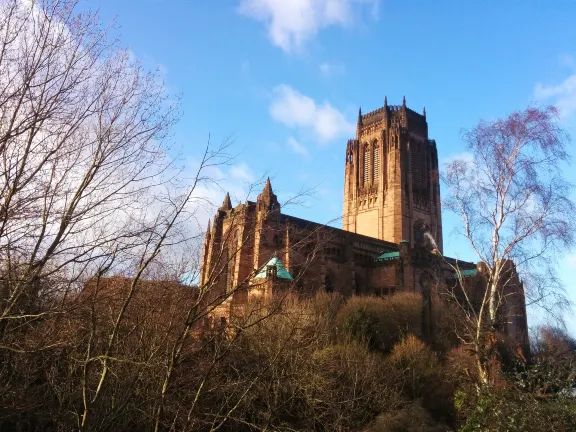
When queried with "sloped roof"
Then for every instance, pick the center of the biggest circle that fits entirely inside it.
(281, 272)
(466, 273)
(388, 256)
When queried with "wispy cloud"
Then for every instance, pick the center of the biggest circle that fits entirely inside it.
(292, 23)
(567, 60)
(571, 260)
(331, 69)
(242, 172)
(298, 111)
(562, 94)
(237, 179)
(464, 156)
(298, 148)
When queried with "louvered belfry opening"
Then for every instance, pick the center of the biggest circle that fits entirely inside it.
(366, 163)
(376, 158)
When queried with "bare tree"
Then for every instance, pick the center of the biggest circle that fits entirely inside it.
(83, 132)
(515, 209)
(87, 187)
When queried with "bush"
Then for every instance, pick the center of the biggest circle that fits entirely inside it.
(348, 387)
(381, 322)
(416, 365)
(512, 410)
(421, 377)
(412, 418)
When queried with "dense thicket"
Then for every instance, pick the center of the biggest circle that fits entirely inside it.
(313, 365)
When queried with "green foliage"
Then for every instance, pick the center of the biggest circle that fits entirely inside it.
(364, 325)
(510, 410)
(460, 397)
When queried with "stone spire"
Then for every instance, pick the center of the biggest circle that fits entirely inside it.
(267, 199)
(386, 109)
(403, 108)
(208, 235)
(227, 204)
(359, 116)
(424, 112)
(267, 188)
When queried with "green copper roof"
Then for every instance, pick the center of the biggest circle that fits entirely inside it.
(388, 256)
(281, 272)
(466, 273)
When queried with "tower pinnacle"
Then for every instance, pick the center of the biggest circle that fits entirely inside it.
(267, 200)
(267, 188)
(227, 204)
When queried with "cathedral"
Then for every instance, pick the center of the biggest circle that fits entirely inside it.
(391, 236)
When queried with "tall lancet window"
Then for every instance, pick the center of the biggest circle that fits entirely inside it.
(366, 165)
(376, 159)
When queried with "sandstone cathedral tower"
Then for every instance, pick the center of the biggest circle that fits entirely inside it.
(391, 188)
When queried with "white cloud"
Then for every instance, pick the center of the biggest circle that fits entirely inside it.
(567, 60)
(331, 69)
(296, 110)
(571, 260)
(298, 148)
(464, 156)
(291, 23)
(563, 95)
(242, 172)
(238, 180)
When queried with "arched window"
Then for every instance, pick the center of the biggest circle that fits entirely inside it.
(328, 284)
(366, 164)
(418, 166)
(230, 262)
(271, 271)
(376, 159)
(358, 284)
(278, 243)
(420, 228)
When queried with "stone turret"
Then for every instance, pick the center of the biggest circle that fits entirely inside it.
(267, 200)
(226, 204)
(391, 188)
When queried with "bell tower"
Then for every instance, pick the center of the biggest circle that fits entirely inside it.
(391, 182)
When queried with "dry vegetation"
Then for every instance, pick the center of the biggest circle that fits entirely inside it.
(306, 367)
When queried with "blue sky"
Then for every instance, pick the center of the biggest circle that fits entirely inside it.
(286, 78)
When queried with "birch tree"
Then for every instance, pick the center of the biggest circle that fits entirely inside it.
(515, 207)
